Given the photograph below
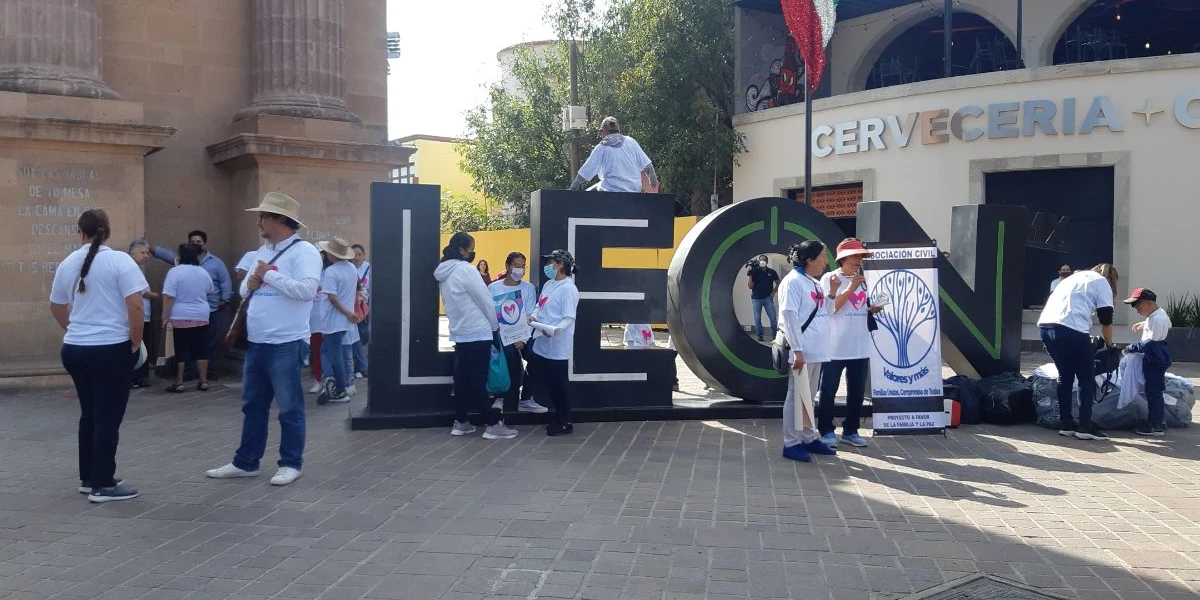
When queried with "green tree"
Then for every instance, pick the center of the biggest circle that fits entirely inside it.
(465, 214)
(518, 145)
(664, 68)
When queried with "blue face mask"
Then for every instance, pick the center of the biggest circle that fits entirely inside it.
(549, 271)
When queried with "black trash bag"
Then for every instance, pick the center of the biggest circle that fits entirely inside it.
(966, 392)
(1006, 399)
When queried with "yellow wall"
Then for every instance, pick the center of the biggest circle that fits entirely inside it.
(437, 163)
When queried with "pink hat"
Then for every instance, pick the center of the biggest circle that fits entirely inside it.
(851, 247)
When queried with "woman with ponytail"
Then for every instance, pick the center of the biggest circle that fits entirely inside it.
(97, 298)
(473, 329)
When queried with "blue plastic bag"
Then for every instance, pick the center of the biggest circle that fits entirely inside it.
(498, 381)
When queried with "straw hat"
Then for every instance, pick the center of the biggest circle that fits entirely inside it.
(279, 204)
(338, 247)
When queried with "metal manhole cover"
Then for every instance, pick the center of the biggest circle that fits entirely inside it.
(983, 587)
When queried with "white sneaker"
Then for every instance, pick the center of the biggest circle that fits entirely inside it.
(285, 475)
(316, 388)
(462, 428)
(351, 390)
(532, 406)
(358, 375)
(499, 431)
(229, 472)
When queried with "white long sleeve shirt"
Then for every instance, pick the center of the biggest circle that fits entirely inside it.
(280, 309)
(469, 305)
(799, 294)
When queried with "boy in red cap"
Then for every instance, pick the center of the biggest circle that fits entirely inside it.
(1155, 357)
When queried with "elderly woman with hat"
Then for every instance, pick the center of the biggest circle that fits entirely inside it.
(849, 343)
(339, 286)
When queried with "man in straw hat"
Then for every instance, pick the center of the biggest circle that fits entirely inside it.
(339, 286)
(279, 291)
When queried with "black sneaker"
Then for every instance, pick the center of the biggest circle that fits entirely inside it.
(554, 429)
(1090, 432)
(84, 488)
(326, 392)
(1149, 431)
(112, 494)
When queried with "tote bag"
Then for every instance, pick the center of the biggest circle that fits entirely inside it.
(497, 380)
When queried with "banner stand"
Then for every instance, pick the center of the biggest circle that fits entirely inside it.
(906, 353)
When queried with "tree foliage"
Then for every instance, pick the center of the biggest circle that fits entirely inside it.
(465, 214)
(664, 68)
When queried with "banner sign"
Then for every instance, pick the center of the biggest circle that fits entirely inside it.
(510, 312)
(906, 355)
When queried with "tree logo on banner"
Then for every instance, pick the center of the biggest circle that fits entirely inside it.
(910, 320)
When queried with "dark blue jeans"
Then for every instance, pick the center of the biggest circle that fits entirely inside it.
(101, 375)
(272, 371)
(1073, 356)
(1156, 384)
(333, 360)
(470, 381)
(856, 388)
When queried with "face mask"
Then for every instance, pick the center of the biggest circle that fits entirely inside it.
(549, 271)
(517, 273)
(470, 256)
(762, 263)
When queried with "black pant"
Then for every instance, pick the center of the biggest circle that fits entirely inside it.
(1074, 357)
(555, 379)
(148, 337)
(470, 381)
(101, 375)
(529, 378)
(856, 387)
(516, 371)
(216, 332)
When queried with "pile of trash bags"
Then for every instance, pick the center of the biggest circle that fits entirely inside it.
(1112, 410)
(1004, 399)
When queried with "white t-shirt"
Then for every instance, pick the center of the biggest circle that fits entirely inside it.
(189, 285)
(1158, 324)
(619, 167)
(98, 316)
(1054, 283)
(248, 262)
(1075, 299)
(340, 281)
(798, 295)
(314, 315)
(639, 335)
(529, 295)
(279, 311)
(559, 300)
(848, 335)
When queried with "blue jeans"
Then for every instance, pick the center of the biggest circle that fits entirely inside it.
(271, 371)
(759, 304)
(360, 357)
(333, 359)
(1073, 356)
(1156, 385)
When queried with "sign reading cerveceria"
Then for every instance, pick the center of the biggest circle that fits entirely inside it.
(995, 121)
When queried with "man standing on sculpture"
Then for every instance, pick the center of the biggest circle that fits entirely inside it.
(279, 294)
(218, 299)
(619, 161)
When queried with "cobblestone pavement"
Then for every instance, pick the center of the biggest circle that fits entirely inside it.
(640, 510)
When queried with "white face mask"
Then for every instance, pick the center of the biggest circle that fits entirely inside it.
(517, 273)
(762, 263)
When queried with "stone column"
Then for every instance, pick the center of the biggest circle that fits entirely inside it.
(298, 60)
(51, 47)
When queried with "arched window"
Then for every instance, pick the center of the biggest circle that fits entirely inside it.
(1116, 29)
(917, 54)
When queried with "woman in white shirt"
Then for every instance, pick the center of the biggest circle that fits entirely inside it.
(849, 344)
(97, 298)
(553, 322)
(185, 306)
(513, 281)
(804, 323)
(473, 329)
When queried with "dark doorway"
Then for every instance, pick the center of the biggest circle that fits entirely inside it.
(1071, 220)
(838, 202)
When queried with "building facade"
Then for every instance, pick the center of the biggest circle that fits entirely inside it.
(436, 161)
(174, 116)
(1090, 127)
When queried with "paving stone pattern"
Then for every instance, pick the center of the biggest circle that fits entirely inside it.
(639, 510)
